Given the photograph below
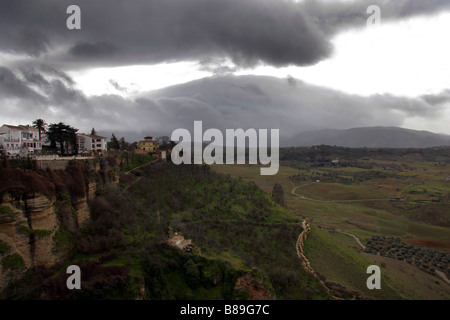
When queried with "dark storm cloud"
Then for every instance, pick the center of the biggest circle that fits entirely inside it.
(13, 87)
(49, 70)
(437, 99)
(25, 40)
(220, 102)
(332, 16)
(151, 31)
(117, 86)
(213, 32)
(35, 92)
(98, 50)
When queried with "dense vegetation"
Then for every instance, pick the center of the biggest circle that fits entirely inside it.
(236, 228)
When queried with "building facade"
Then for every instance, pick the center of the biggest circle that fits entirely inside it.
(148, 146)
(88, 143)
(19, 141)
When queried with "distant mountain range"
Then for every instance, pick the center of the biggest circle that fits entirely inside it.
(371, 137)
(302, 112)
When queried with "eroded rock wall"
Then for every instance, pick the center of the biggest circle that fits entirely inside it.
(36, 227)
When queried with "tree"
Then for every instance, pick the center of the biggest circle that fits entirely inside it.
(63, 134)
(123, 144)
(192, 274)
(165, 143)
(114, 144)
(278, 195)
(93, 132)
(133, 146)
(41, 125)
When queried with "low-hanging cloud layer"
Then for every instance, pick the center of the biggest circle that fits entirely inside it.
(35, 83)
(220, 102)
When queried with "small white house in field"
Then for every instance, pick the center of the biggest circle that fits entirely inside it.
(19, 141)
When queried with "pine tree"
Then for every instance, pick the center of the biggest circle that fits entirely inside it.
(114, 143)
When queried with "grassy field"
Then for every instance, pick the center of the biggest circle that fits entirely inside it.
(416, 208)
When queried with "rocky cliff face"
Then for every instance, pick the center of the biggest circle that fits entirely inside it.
(37, 227)
(30, 227)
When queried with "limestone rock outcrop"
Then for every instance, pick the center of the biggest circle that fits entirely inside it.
(40, 213)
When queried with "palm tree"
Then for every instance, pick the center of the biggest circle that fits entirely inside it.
(41, 125)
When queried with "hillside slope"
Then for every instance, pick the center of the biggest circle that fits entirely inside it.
(244, 243)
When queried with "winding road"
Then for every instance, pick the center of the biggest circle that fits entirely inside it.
(339, 201)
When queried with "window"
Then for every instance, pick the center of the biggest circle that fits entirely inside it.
(99, 140)
(99, 146)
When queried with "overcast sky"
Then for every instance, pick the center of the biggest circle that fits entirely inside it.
(314, 64)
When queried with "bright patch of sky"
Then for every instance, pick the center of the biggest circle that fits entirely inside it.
(405, 58)
(136, 79)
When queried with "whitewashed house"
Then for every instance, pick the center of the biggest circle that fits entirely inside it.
(91, 143)
(19, 141)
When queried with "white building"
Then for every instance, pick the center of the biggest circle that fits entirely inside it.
(91, 143)
(19, 141)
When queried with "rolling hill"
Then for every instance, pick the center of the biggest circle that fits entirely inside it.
(371, 137)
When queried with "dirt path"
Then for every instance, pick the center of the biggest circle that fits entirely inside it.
(300, 247)
(305, 262)
(358, 241)
(138, 178)
(442, 275)
(327, 285)
(142, 165)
